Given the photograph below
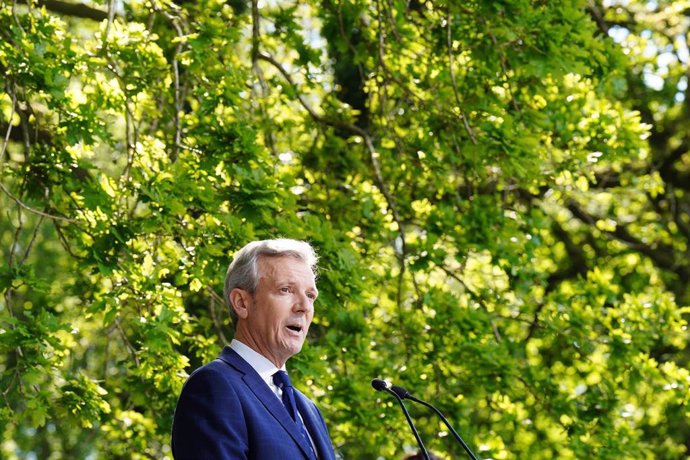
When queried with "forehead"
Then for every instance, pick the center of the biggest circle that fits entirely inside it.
(285, 268)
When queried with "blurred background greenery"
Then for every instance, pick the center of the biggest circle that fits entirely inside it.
(498, 192)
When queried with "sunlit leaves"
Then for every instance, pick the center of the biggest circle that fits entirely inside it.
(499, 228)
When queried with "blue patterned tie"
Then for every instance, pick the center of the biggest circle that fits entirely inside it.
(282, 381)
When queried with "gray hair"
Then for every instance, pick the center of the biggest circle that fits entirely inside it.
(243, 272)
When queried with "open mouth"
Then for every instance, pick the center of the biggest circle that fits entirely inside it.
(295, 328)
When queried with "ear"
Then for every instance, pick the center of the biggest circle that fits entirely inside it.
(241, 301)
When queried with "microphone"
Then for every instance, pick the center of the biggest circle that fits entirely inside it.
(402, 393)
(379, 385)
(382, 385)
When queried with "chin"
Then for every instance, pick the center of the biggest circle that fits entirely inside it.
(295, 350)
(291, 349)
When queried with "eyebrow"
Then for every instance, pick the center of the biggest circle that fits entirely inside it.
(293, 282)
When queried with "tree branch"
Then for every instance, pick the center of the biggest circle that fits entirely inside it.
(177, 25)
(598, 17)
(9, 130)
(30, 209)
(577, 266)
(217, 323)
(622, 234)
(356, 130)
(256, 68)
(449, 44)
(77, 10)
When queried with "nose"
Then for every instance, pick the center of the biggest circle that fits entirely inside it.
(303, 302)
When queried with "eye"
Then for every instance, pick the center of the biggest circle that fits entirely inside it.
(285, 289)
(311, 295)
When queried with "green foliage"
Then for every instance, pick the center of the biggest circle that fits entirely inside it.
(497, 191)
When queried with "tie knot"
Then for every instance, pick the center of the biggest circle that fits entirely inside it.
(281, 379)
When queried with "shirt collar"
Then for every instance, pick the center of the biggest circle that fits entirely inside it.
(262, 365)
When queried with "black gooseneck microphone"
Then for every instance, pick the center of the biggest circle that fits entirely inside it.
(404, 394)
(381, 385)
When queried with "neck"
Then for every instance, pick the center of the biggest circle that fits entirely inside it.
(243, 335)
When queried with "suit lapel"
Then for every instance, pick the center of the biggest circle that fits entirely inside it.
(264, 394)
(315, 426)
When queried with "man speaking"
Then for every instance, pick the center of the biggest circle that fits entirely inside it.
(242, 405)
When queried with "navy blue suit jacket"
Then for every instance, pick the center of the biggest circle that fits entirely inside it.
(226, 411)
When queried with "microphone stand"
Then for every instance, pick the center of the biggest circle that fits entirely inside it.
(404, 394)
(380, 385)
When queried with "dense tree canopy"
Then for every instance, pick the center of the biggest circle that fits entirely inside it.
(498, 191)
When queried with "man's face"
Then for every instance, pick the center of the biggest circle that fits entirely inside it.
(280, 311)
